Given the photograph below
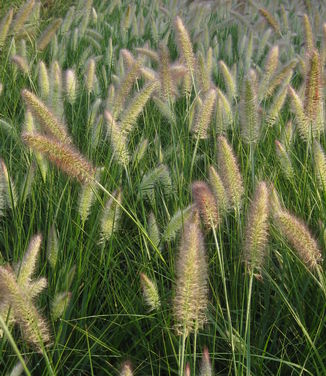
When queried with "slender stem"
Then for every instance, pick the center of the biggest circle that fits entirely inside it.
(247, 327)
(195, 348)
(14, 346)
(221, 262)
(182, 357)
(252, 161)
(194, 156)
(132, 217)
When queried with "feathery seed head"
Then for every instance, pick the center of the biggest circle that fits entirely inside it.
(284, 159)
(126, 369)
(90, 75)
(43, 80)
(309, 39)
(302, 122)
(206, 367)
(45, 38)
(60, 303)
(71, 86)
(313, 87)
(185, 48)
(111, 216)
(118, 140)
(26, 268)
(46, 118)
(249, 111)
(204, 115)
(190, 301)
(229, 81)
(22, 16)
(230, 173)
(62, 155)
(298, 235)
(150, 292)
(4, 27)
(218, 189)
(256, 233)
(270, 19)
(21, 63)
(320, 164)
(206, 204)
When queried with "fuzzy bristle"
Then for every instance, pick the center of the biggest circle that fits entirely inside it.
(206, 204)
(62, 155)
(257, 229)
(230, 173)
(190, 301)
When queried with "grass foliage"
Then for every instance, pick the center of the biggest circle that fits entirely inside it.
(162, 188)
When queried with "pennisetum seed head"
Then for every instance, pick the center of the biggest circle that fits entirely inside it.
(46, 118)
(313, 89)
(256, 233)
(48, 33)
(284, 159)
(206, 367)
(204, 115)
(150, 292)
(71, 86)
(270, 19)
(64, 156)
(190, 300)
(43, 80)
(309, 40)
(249, 111)
(206, 204)
(320, 164)
(186, 50)
(296, 233)
(126, 369)
(229, 172)
(4, 27)
(218, 190)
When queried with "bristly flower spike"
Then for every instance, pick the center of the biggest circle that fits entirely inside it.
(46, 118)
(190, 301)
(230, 174)
(186, 52)
(62, 155)
(255, 242)
(206, 204)
(150, 292)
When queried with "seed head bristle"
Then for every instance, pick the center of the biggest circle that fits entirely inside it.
(190, 301)
(218, 189)
(204, 115)
(118, 140)
(186, 51)
(48, 33)
(229, 172)
(309, 39)
(256, 233)
(4, 27)
(150, 292)
(299, 237)
(284, 159)
(270, 19)
(206, 366)
(46, 118)
(229, 80)
(320, 164)
(64, 156)
(206, 204)
(250, 127)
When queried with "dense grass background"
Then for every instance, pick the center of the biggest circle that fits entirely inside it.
(107, 322)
